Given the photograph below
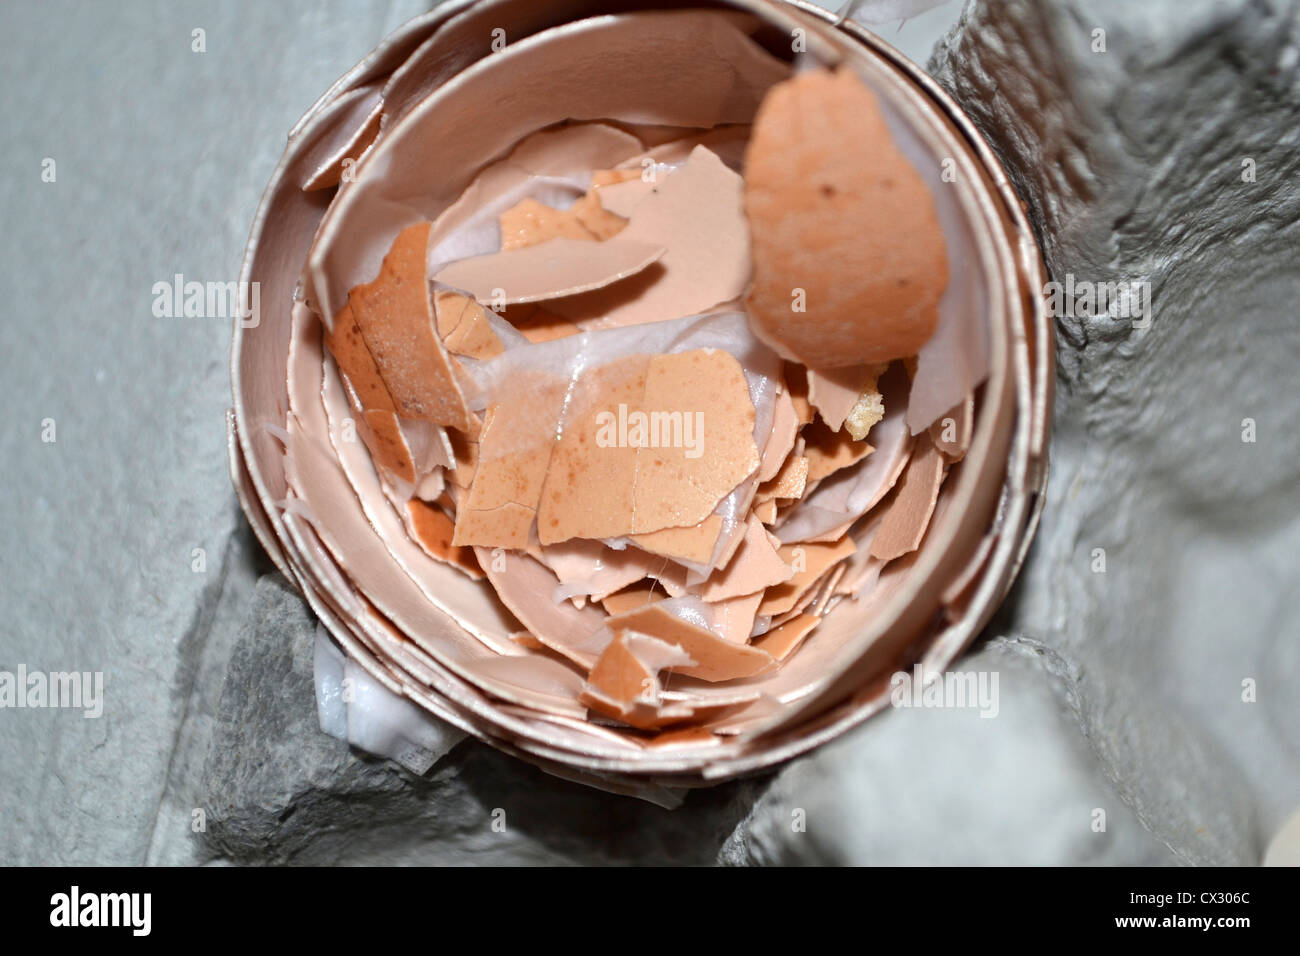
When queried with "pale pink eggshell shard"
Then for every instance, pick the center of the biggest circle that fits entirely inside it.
(550, 269)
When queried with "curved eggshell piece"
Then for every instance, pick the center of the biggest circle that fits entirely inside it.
(837, 211)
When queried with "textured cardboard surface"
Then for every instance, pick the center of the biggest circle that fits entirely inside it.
(1120, 691)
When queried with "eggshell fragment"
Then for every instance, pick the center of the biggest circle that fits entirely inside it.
(464, 326)
(845, 496)
(781, 439)
(551, 269)
(631, 597)
(529, 222)
(395, 316)
(526, 639)
(834, 392)
(621, 198)
(782, 641)
(951, 434)
(538, 325)
(382, 434)
(695, 214)
(330, 172)
(514, 452)
(827, 452)
(593, 569)
(810, 562)
(591, 492)
(349, 349)
(433, 531)
(549, 164)
(909, 513)
(733, 619)
(837, 210)
(715, 659)
(710, 385)
(805, 601)
(755, 566)
(602, 223)
(620, 677)
(466, 450)
(525, 587)
(694, 544)
(602, 484)
(624, 682)
(789, 482)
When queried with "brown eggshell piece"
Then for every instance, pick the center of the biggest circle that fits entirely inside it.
(830, 451)
(464, 327)
(834, 392)
(617, 485)
(733, 619)
(694, 544)
(385, 441)
(508, 525)
(526, 639)
(590, 490)
(529, 222)
(618, 674)
(526, 587)
(514, 452)
(672, 488)
(848, 397)
(596, 219)
(715, 659)
(781, 439)
(624, 682)
(466, 451)
(395, 316)
(836, 209)
(599, 568)
(755, 566)
(789, 482)
(781, 641)
(810, 562)
(537, 324)
(637, 595)
(349, 349)
(908, 517)
(434, 531)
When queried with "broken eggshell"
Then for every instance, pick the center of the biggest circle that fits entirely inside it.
(441, 638)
